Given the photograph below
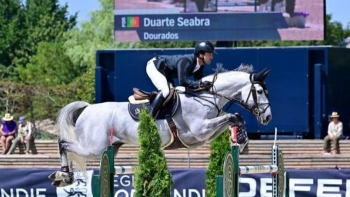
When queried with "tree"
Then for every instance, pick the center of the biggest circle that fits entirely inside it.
(152, 177)
(49, 66)
(11, 33)
(45, 21)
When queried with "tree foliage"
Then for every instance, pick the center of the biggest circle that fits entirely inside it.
(44, 21)
(152, 177)
(42, 47)
(11, 34)
(49, 66)
(23, 25)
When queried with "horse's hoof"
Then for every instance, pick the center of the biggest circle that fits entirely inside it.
(57, 183)
(69, 181)
(63, 183)
(52, 176)
(242, 146)
(59, 175)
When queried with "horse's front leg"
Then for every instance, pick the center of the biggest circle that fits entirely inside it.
(211, 128)
(65, 176)
(242, 137)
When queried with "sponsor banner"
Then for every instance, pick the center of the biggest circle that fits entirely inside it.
(216, 26)
(188, 183)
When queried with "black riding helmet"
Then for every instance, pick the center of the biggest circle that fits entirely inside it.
(204, 46)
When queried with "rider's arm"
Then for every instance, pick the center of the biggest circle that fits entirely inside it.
(183, 70)
(198, 75)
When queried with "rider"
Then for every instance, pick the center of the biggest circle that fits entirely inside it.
(162, 69)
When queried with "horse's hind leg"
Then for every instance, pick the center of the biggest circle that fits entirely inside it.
(65, 176)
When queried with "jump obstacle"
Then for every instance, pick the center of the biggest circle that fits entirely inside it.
(103, 184)
(227, 185)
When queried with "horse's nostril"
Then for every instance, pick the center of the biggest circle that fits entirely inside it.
(268, 118)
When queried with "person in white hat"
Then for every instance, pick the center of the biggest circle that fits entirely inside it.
(335, 133)
(7, 130)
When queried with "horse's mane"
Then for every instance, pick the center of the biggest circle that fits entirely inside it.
(220, 70)
(245, 68)
(241, 68)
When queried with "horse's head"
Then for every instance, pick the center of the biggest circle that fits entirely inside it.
(254, 97)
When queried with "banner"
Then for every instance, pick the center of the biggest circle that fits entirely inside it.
(174, 27)
(221, 20)
(188, 183)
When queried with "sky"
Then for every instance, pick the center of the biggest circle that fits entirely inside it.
(338, 8)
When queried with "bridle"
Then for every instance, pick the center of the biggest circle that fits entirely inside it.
(254, 109)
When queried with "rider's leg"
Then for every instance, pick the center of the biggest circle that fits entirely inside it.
(157, 104)
(159, 80)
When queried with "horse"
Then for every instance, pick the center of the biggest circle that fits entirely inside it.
(86, 129)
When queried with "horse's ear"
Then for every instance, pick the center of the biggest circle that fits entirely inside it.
(259, 76)
(265, 74)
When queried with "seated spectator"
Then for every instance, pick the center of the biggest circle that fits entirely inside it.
(335, 133)
(8, 129)
(24, 134)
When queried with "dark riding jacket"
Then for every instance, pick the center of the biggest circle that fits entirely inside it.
(181, 67)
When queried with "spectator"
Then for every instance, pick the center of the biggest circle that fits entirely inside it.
(8, 130)
(335, 132)
(24, 134)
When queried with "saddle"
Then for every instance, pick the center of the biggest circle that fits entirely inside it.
(142, 98)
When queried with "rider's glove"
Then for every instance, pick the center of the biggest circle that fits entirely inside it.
(206, 84)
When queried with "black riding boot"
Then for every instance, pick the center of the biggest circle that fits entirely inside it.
(157, 104)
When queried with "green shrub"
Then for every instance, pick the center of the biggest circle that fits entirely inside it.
(152, 178)
(218, 147)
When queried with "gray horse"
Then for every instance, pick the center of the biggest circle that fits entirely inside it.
(86, 129)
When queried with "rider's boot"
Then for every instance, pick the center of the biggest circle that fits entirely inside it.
(157, 104)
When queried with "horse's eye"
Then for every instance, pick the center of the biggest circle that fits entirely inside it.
(259, 91)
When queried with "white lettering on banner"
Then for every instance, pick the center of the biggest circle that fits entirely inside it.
(265, 187)
(347, 194)
(295, 185)
(193, 22)
(185, 193)
(122, 192)
(189, 193)
(160, 36)
(132, 192)
(123, 22)
(252, 187)
(19, 192)
(324, 187)
(321, 189)
(181, 22)
(165, 22)
(124, 181)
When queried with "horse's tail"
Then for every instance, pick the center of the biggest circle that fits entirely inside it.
(66, 120)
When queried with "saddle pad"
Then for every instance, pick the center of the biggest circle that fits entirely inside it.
(134, 101)
(168, 110)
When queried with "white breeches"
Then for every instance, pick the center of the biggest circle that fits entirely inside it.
(157, 78)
